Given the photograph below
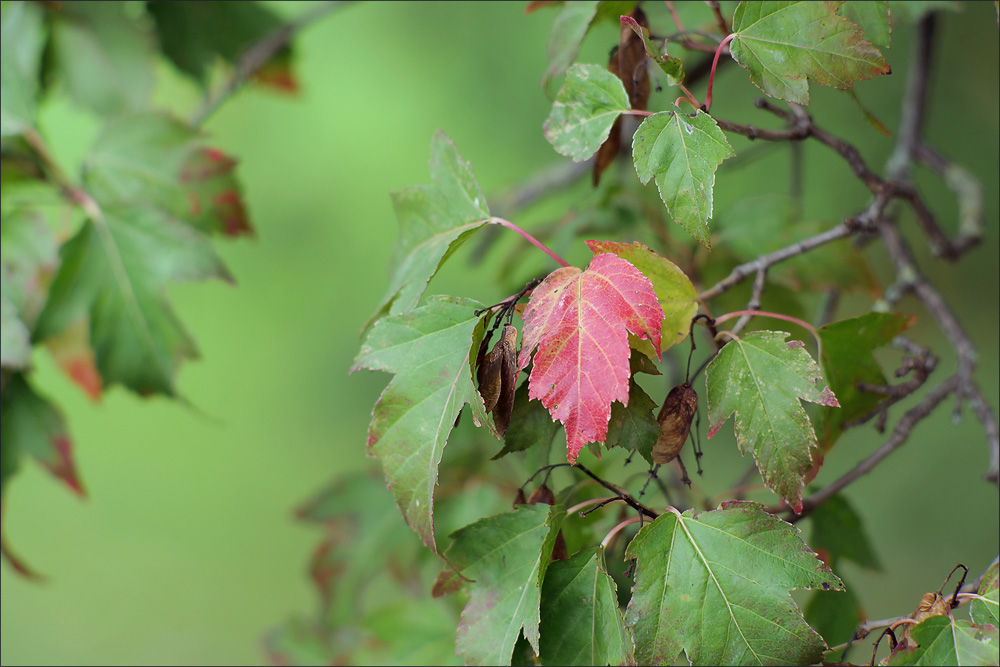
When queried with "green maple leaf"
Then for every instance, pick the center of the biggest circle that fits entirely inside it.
(581, 622)
(847, 360)
(137, 161)
(681, 153)
(188, 35)
(786, 44)
(633, 426)
(114, 272)
(428, 350)
(761, 378)
(839, 531)
(15, 341)
(506, 557)
(943, 640)
(715, 586)
(985, 609)
(586, 107)
(434, 221)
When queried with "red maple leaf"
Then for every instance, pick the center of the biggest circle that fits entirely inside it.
(579, 321)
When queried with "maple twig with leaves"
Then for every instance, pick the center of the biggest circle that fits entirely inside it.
(712, 585)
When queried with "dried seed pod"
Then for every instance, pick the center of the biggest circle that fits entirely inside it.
(543, 495)
(496, 374)
(675, 422)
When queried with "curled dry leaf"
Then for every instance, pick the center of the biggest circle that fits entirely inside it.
(675, 421)
(496, 374)
(628, 63)
(931, 604)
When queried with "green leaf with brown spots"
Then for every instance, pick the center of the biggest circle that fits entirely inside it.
(761, 379)
(586, 107)
(682, 153)
(784, 45)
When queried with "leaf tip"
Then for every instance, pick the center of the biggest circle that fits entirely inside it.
(827, 398)
(63, 466)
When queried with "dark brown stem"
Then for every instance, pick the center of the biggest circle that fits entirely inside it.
(720, 20)
(922, 363)
(621, 493)
(258, 54)
(802, 128)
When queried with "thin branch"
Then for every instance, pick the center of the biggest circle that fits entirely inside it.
(914, 104)
(258, 54)
(968, 191)
(802, 127)
(754, 303)
(922, 363)
(539, 185)
(986, 415)
(741, 272)
(908, 273)
(621, 493)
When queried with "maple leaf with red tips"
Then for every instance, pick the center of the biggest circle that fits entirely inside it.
(215, 200)
(579, 321)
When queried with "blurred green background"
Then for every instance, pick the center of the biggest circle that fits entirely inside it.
(186, 551)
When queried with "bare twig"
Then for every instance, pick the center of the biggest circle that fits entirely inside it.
(921, 363)
(909, 277)
(968, 190)
(621, 493)
(754, 303)
(802, 128)
(260, 53)
(741, 272)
